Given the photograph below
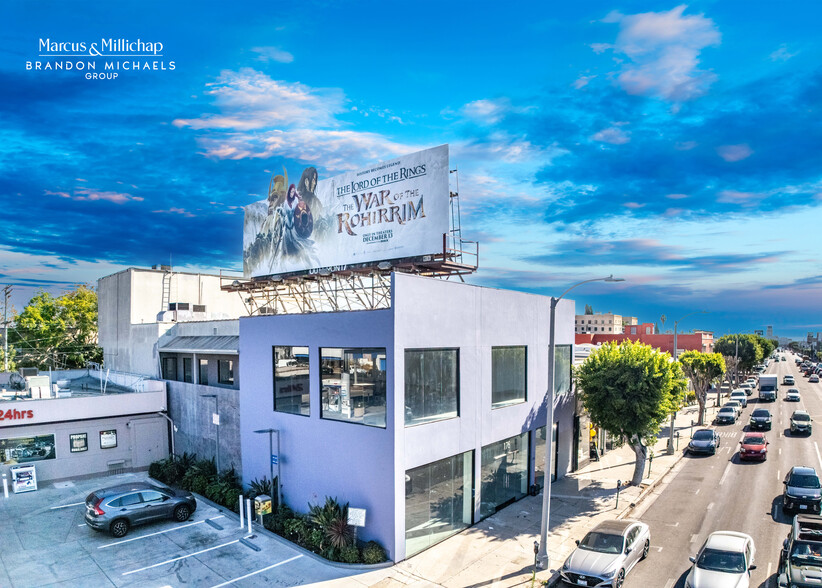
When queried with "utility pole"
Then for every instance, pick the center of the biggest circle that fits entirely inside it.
(6, 293)
(736, 363)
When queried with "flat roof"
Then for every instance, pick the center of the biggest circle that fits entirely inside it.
(216, 344)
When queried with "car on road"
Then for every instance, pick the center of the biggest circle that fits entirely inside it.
(703, 441)
(814, 379)
(607, 553)
(761, 419)
(751, 381)
(741, 396)
(800, 561)
(747, 388)
(753, 446)
(735, 404)
(782, 358)
(802, 490)
(725, 559)
(792, 395)
(726, 414)
(801, 422)
(118, 508)
(788, 380)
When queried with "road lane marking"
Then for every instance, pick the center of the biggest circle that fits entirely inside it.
(778, 477)
(157, 533)
(676, 524)
(694, 537)
(67, 505)
(769, 570)
(816, 446)
(258, 571)
(168, 561)
(710, 506)
(725, 474)
(780, 451)
(696, 492)
(670, 583)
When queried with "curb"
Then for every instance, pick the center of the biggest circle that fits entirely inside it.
(650, 488)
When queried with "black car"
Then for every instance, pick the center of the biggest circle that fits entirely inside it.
(800, 561)
(803, 492)
(118, 508)
(761, 419)
(704, 441)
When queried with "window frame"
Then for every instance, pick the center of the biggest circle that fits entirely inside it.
(524, 398)
(220, 380)
(457, 383)
(274, 380)
(383, 426)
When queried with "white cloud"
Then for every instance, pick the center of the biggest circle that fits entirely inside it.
(273, 54)
(582, 81)
(782, 54)
(249, 100)
(733, 153)
(487, 111)
(664, 49)
(613, 135)
(260, 117)
(736, 197)
(91, 194)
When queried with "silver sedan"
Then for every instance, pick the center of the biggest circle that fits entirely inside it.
(607, 553)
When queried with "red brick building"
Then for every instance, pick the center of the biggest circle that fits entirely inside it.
(698, 340)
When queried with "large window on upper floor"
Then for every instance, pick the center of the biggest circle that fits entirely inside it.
(353, 385)
(291, 380)
(563, 362)
(431, 385)
(170, 367)
(225, 372)
(508, 375)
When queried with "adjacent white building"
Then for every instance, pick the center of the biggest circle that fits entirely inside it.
(607, 323)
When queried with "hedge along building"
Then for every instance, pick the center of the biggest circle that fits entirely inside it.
(417, 399)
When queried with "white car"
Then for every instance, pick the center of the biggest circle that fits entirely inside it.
(747, 388)
(792, 395)
(726, 559)
(741, 397)
(734, 404)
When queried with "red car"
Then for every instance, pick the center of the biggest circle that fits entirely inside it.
(753, 446)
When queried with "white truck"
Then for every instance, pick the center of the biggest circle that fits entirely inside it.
(768, 385)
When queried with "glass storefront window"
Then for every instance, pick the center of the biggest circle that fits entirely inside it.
(437, 501)
(504, 473)
(539, 456)
(291, 380)
(431, 385)
(353, 385)
(508, 375)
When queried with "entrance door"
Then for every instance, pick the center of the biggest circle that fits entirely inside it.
(150, 442)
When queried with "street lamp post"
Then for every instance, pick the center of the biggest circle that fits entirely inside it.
(217, 424)
(173, 430)
(271, 455)
(542, 556)
(676, 356)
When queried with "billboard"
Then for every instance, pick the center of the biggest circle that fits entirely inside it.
(392, 210)
(25, 449)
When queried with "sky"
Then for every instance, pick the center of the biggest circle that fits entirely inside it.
(677, 146)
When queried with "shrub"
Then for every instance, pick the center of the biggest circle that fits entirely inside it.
(231, 499)
(350, 554)
(373, 553)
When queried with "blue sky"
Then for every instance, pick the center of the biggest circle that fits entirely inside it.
(675, 145)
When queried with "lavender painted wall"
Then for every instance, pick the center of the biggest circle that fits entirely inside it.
(319, 458)
(432, 313)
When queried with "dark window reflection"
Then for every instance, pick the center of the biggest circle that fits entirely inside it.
(353, 385)
(431, 385)
(504, 473)
(291, 380)
(508, 375)
(437, 501)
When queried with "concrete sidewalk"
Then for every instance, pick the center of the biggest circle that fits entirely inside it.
(499, 551)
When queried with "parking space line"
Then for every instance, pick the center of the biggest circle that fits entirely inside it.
(157, 533)
(162, 563)
(66, 505)
(257, 572)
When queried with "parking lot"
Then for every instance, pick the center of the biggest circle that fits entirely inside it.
(45, 542)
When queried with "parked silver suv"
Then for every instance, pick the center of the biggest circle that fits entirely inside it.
(118, 508)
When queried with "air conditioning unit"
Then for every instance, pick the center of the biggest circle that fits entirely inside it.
(29, 371)
(179, 306)
(268, 310)
(198, 307)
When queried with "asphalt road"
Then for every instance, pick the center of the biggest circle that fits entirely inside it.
(719, 492)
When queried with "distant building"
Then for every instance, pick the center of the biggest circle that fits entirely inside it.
(769, 331)
(698, 340)
(603, 323)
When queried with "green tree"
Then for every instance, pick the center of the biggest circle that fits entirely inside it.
(767, 345)
(58, 332)
(702, 369)
(629, 389)
(748, 354)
